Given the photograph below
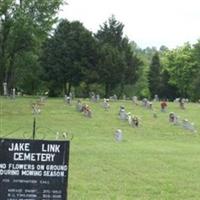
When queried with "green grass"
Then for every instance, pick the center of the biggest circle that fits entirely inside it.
(156, 161)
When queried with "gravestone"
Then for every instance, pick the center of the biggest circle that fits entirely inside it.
(67, 99)
(79, 106)
(144, 102)
(97, 97)
(188, 125)
(115, 97)
(122, 113)
(87, 111)
(156, 98)
(135, 100)
(5, 91)
(13, 93)
(182, 103)
(118, 135)
(149, 105)
(106, 104)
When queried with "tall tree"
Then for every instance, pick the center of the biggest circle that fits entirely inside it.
(182, 68)
(111, 32)
(116, 57)
(24, 26)
(195, 92)
(167, 90)
(155, 75)
(132, 63)
(110, 67)
(141, 87)
(69, 57)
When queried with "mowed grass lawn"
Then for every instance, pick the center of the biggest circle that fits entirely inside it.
(155, 161)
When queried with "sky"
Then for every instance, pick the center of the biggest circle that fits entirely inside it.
(147, 22)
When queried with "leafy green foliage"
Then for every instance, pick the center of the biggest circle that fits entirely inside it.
(155, 75)
(69, 57)
(181, 67)
(195, 92)
(109, 67)
(24, 25)
(73, 56)
(117, 64)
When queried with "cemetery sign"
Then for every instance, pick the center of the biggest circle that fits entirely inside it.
(33, 169)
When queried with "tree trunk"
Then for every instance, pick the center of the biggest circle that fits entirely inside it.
(65, 88)
(121, 92)
(1, 79)
(107, 90)
(69, 88)
(10, 74)
(5, 33)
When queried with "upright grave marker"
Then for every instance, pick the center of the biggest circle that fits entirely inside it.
(33, 169)
(13, 93)
(5, 93)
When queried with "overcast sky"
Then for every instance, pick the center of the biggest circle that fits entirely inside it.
(147, 22)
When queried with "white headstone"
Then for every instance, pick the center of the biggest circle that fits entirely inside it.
(13, 93)
(5, 92)
(118, 135)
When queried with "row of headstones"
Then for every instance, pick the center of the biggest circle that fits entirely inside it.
(185, 123)
(181, 102)
(83, 108)
(149, 104)
(96, 97)
(13, 93)
(36, 106)
(6, 93)
(123, 115)
(173, 118)
(68, 98)
(132, 120)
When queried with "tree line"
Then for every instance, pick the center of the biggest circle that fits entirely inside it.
(175, 73)
(40, 53)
